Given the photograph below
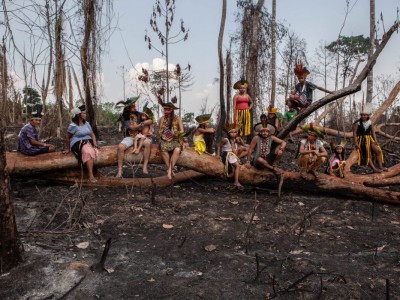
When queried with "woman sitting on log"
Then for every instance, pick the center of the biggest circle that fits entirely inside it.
(200, 145)
(82, 141)
(171, 139)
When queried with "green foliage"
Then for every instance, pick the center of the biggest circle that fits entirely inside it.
(31, 98)
(350, 45)
(188, 117)
(107, 114)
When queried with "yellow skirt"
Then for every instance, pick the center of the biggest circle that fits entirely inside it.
(243, 119)
(199, 144)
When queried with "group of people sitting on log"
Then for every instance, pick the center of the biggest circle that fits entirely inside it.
(264, 151)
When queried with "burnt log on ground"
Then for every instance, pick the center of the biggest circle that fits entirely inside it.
(352, 186)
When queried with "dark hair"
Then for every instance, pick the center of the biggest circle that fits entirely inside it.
(339, 155)
(263, 116)
(171, 119)
(75, 119)
(143, 114)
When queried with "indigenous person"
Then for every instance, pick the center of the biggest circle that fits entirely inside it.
(302, 94)
(337, 161)
(171, 141)
(133, 123)
(265, 156)
(228, 149)
(242, 104)
(273, 119)
(82, 141)
(145, 133)
(186, 143)
(312, 152)
(28, 137)
(290, 114)
(200, 145)
(366, 143)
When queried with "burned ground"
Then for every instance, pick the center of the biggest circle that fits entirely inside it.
(200, 239)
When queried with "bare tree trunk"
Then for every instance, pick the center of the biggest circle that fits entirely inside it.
(78, 85)
(273, 56)
(10, 252)
(46, 83)
(222, 118)
(252, 64)
(89, 29)
(59, 85)
(370, 78)
(228, 85)
(70, 90)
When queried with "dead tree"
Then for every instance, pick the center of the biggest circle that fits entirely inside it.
(10, 252)
(222, 118)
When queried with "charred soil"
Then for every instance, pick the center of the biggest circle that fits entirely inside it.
(200, 239)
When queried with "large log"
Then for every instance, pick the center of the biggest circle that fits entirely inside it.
(352, 186)
(74, 177)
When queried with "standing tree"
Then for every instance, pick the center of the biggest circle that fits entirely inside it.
(10, 252)
(370, 78)
(184, 80)
(222, 118)
(273, 56)
(166, 12)
(350, 49)
(88, 55)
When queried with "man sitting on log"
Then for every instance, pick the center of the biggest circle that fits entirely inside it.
(302, 94)
(312, 152)
(266, 156)
(132, 122)
(28, 137)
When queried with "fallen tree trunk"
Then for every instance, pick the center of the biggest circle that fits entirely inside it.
(72, 177)
(352, 186)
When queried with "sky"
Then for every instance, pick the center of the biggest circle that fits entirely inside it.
(313, 20)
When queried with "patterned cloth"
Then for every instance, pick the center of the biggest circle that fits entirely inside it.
(305, 92)
(169, 138)
(364, 141)
(24, 146)
(243, 120)
(132, 120)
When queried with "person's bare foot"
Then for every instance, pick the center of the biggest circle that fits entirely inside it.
(145, 171)
(93, 180)
(303, 175)
(169, 173)
(119, 175)
(238, 185)
(384, 169)
(377, 171)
